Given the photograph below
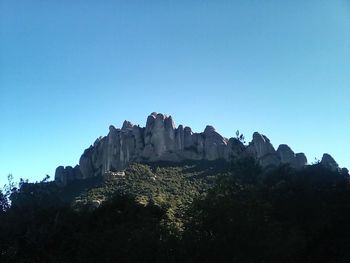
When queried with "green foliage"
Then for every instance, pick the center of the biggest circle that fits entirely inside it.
(4, 204)
(240, 137)
(170, 186)
(189, 212)
(120, 230)
(282, 216)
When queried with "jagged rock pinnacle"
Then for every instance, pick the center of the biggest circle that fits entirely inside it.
(329, 162)
(160, 140)
(127, 125)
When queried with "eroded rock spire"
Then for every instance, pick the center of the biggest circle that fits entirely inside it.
(160, 140)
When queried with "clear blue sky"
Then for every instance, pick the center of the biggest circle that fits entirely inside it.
(69, 69)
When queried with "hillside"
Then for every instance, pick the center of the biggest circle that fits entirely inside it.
(193, 212)
(166, 194)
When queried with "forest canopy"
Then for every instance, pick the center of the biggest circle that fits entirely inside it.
(193, 212)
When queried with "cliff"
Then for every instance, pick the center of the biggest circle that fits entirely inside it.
(160, 140)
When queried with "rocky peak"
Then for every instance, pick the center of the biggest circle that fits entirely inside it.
(261, 145)
(301, 159)
(160, 140)
(188, 129)
(159, 121)
(160, 116)
(285, 153)
(127, 125)
(111, 128)
(209, 129)
(287, 156)
(150, 120)
(329, 162)
(169, 123)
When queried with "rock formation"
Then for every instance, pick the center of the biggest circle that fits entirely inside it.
(63, 175)
(328, 162)
(160, 140)
(286, 155)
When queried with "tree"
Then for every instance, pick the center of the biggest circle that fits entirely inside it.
(6, 193)
(240, 137)
(4, 204)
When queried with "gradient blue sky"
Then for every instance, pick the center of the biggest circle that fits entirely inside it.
(69, 69)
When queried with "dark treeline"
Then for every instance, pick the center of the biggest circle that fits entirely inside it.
(248, 215)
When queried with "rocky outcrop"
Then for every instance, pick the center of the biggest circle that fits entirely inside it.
(63, 175)
(300, 160)
(287, 156)
(261, 148)
(285, 153)
(160, 140)
(329, 162)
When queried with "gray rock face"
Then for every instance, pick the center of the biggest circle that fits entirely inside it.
(285, 153)
(234, 149)
(328, 162)
(270, 159)
(261, 148)
(60, 176)
(127, 125)
(213, 144)
(345, 172)
(300, 160)
(287, 156)
(261, 145)
(63, 175)
(160, 140)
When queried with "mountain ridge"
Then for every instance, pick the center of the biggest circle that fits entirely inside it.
(160, 140)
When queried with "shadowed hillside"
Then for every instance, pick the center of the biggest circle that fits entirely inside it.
(192, 212)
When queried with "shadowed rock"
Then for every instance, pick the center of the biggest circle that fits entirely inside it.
(287, 156)
(328, 162)
(63, 175)
(300, 160)
(127, 125)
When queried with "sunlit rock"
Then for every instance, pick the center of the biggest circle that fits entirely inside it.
(160, 140)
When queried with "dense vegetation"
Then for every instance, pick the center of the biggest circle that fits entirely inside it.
(193, 212)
